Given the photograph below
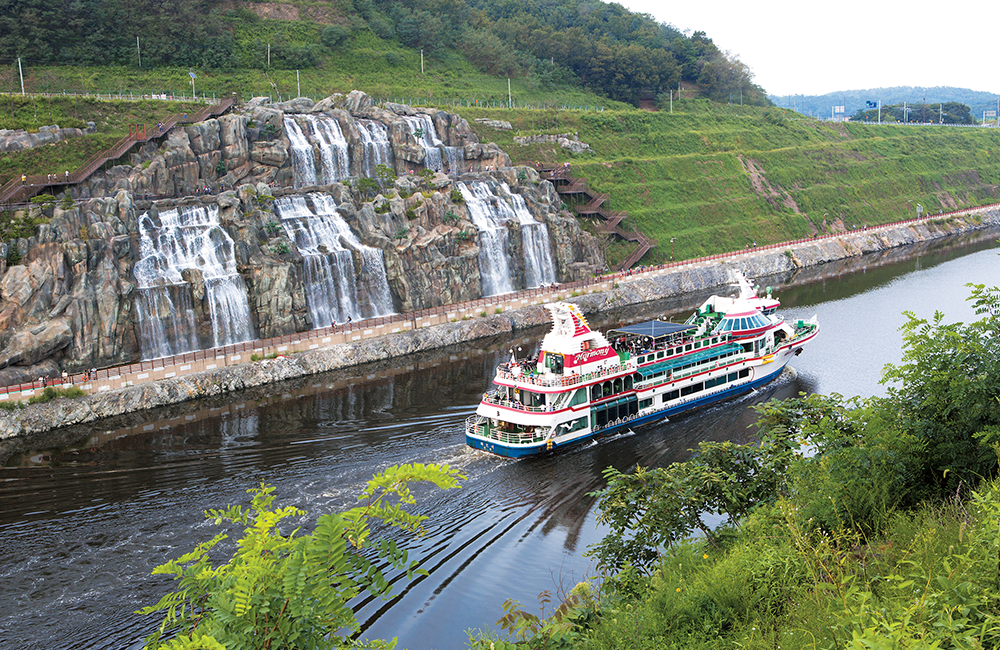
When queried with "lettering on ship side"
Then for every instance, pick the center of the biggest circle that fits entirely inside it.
(587, 355)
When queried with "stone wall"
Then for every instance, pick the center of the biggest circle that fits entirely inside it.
(806, 262)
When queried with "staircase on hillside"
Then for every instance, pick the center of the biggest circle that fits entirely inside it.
(586, 203)
(17, 191)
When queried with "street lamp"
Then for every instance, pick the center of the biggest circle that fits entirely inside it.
(671, 249)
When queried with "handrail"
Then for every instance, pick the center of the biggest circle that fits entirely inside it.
(15, 190)
(567, 184)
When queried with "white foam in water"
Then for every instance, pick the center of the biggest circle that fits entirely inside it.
(378, 149)
(428, 139)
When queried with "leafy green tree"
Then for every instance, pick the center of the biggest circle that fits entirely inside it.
(945, 391)
(290, 591)
(386, 175)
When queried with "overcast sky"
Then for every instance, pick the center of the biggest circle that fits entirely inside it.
(815, 48)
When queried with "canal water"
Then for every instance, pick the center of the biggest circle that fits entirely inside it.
(86, 514)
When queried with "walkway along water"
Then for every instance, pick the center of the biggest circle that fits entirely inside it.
(160, 382)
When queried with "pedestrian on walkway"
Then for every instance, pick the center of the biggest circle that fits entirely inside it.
(23, 179)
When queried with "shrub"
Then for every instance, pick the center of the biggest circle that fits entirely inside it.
(457, 197)
(291, 591)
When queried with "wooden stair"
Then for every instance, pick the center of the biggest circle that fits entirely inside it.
(589, 203)
(15, 191)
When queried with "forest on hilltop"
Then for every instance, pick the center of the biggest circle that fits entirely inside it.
(623, 55)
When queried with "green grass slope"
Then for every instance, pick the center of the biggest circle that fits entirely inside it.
(716, 178)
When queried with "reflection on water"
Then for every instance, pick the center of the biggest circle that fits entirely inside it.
(85, 515)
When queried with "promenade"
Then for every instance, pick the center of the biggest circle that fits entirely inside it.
(107, 379)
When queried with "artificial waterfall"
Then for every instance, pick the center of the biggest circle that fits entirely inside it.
(491, 212)
(344, 279)
(185, 254)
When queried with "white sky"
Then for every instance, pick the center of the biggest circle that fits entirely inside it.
(799, 48)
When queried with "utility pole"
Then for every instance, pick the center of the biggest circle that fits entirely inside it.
(138, 51)
(421, 60)
(510, 102)
(20, 72)
(671, 101)
(297, 84)
(269, 60)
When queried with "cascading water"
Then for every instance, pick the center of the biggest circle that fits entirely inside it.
(303, 158)
(494, 268)
(491, 213)
(378, 149)
(335, 290)
(332, 147)
(177, 240)
(422, 128)
(539, 267)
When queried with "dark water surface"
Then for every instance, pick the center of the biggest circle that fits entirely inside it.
(86, 514)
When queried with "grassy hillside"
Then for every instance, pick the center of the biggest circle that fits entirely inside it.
(713, 177)
(717, 177)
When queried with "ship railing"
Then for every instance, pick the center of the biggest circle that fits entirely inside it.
(490, 398)
(565, 380)
(476, 425)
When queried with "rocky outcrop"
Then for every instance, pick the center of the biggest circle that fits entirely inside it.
(72, 301)
(568, 141)
(19, 140)
(681, 283)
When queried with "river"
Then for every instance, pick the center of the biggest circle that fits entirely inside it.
(86, 514)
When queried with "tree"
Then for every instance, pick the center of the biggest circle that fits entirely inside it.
(948, 382)
(290, 591)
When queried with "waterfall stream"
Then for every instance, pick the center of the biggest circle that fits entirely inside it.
(335, 290)
(332, 147)
(174, 241)
(378, 149)
(491, 210)
(303, 158)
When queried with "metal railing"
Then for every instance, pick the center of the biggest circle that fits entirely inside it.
(19, 189)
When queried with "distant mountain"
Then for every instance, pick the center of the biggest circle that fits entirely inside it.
(821, 106)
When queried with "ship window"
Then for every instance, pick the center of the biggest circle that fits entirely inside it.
(595, 392)
(629, 382)
(606, 388)
(579, 397)
(617, 385)
(693, 388)
(744, 373)
(659, 355)
(645, 403)
(574, 425)
(670, 395)
(687, 348)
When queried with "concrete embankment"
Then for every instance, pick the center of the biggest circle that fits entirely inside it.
(172, 386)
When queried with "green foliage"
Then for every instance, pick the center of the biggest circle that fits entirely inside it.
(291, 591)
(51, 392)
(281, 248)
(456, 196)
(368, 187)
(334, 36)
(386, 175)
(273, 228)
(11, 406)
(449, 217)
(220, 168)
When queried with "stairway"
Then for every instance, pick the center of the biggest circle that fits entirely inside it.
(587, 203)
(17, 191)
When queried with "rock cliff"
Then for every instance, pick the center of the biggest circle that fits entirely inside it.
(69, 294)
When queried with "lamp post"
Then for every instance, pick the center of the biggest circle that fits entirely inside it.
(671, 249)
